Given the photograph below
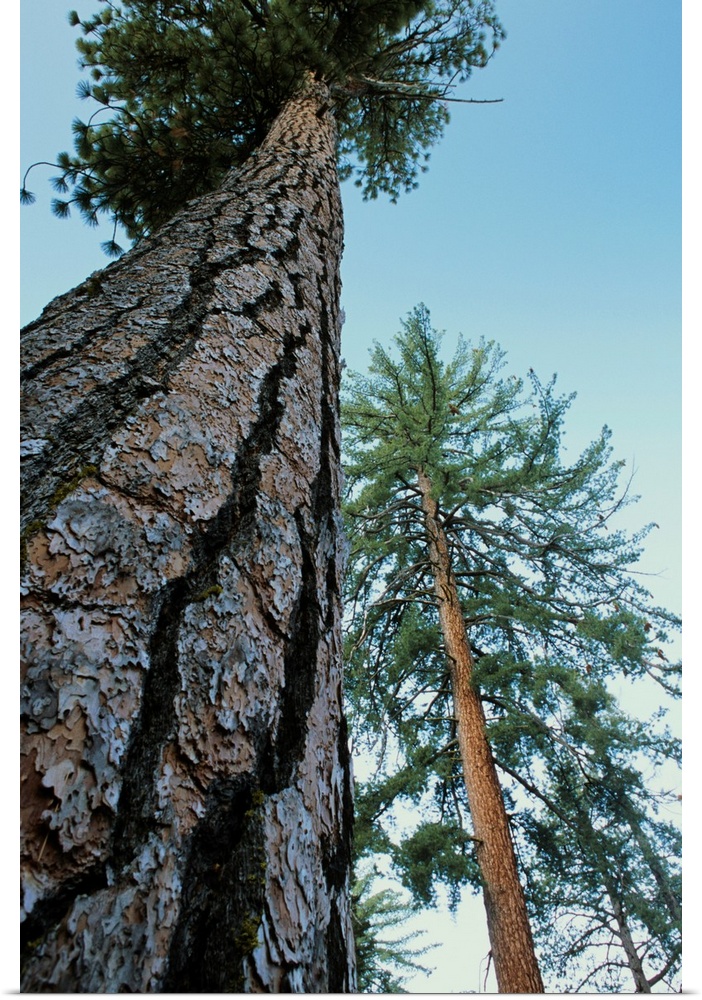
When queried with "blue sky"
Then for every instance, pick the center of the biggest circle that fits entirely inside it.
(550, 222)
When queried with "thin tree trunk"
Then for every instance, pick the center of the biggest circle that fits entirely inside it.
(600, 866)
(186, 790)
(641, 984)
(672, 902)
(510, 934)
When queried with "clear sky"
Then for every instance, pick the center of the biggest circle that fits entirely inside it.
(550, 223)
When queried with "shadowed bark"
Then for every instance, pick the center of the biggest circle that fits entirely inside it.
(186, 790)
(510, 935)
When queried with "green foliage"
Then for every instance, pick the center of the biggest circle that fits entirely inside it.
(545, 576)
(436, 854)
(555, 616)
(601, 865)
(185, 89)
(384, 957)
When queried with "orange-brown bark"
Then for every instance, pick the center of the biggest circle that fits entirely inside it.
(510, 935)
(186, 798)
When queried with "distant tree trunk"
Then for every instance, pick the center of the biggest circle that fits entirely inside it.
(641, 984)
(668, 896)
(186, 797)
(510, 934)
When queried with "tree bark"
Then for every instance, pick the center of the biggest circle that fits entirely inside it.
(509, 931)
(186, 786)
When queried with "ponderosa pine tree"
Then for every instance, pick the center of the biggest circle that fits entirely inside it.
(602, 871)
(601, 864)
(186, 797)
(186, 789)
(458, 496)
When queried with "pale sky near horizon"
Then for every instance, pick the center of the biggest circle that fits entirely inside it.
(550, 223)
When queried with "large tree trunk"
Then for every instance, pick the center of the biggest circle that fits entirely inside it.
(509, 931)
(186, 798)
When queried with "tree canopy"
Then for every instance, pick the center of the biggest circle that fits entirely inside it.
(556, 616)
(186, 89)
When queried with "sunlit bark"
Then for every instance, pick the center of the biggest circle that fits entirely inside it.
(510, 935)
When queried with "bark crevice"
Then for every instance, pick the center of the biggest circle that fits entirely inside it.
(52, 909)
(223, 892)
(229, 531)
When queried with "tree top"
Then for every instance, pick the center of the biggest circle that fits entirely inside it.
(186, 89)
(538, 541)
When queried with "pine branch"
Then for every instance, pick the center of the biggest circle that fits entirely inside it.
(364, 85)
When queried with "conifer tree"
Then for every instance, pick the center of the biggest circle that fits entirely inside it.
(458, 492)
(606, 871)
(386, 953)
(186, 782)
(183, 90)
(603, 876)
